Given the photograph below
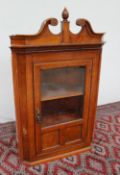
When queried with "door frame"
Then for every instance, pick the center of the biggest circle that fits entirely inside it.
(37, 67)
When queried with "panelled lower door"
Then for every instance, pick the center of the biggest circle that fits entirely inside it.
(61, 94)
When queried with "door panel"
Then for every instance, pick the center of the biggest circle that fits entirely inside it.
(73, 133)
(50, 140)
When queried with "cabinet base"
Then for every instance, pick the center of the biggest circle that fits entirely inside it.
(45, 160)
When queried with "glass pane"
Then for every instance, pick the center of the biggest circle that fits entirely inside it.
(62, 94)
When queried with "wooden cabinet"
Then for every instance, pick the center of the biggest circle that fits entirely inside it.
(56, 86)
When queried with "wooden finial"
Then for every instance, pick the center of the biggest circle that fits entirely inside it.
(65, 14)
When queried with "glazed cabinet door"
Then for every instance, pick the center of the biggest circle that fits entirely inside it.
(61, 102)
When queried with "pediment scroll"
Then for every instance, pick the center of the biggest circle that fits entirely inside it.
(46, 37)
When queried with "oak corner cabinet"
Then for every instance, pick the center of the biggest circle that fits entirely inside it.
(56, 78)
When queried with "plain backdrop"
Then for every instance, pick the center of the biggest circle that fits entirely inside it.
(26, 16)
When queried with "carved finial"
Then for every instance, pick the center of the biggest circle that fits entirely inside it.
(65, 14)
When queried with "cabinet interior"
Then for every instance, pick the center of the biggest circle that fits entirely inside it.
(62, 95)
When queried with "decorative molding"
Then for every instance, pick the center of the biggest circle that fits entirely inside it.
(46, 37)
(54, 48)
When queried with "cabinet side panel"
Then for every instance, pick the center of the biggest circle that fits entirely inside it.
(30, 107)
(23, 104)
(17, 104)
(94, 95)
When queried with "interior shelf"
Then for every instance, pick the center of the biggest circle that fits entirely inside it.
(62, 110)
(51, 93)
(49, 120)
